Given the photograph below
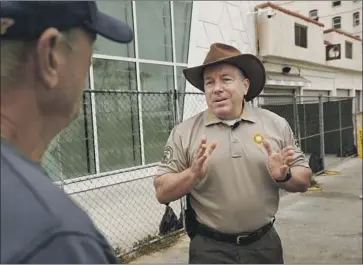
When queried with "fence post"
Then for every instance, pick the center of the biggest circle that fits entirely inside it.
(177, 120)
(174, 98)
(321, 130)
(60, 163)
(296, 119)
(305, 142)
(356, 124)
(340, 129)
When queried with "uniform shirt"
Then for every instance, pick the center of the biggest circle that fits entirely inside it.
(237, 193)
(39, 223)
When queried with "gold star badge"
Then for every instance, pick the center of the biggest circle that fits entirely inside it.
(258, 138)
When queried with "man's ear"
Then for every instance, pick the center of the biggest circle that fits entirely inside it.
(48, 57)
(246, 83)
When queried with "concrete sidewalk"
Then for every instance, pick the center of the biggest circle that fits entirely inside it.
(315, 227)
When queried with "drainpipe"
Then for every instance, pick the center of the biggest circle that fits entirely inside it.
(257, 43)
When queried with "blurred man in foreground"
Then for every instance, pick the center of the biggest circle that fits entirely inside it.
(46, 50)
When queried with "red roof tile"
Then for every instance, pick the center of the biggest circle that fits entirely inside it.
(343, 33)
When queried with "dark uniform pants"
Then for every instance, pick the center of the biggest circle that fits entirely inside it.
(267, 250)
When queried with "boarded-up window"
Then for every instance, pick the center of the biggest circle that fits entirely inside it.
(348, 50)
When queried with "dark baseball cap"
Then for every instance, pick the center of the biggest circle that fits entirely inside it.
(27, 20)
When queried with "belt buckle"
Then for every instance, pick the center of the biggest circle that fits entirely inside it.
(239, 238)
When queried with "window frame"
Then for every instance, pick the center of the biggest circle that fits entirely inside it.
(298, 28)
(348, 51)
(339, 23)
(336, 3)
(356, 19)
(316, 17)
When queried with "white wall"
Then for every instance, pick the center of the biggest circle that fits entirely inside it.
(345, 80)
(233, 23)
(356, 62)
(277, 49)
(326, 12)
(321, 77)
(277, 38)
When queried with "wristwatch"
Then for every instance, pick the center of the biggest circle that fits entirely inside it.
(287, 177)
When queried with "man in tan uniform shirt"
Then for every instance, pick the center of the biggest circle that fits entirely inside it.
(232, 159)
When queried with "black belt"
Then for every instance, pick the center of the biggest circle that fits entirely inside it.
(239, 239)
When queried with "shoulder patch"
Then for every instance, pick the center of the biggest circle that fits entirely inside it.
(168, 155)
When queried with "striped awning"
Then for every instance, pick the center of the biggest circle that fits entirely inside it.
(277, 79)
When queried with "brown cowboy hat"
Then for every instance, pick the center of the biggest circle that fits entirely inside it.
(250, 65)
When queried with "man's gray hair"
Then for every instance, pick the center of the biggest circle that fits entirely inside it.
(14, 54)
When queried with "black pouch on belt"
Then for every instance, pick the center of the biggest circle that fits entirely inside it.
(191, 222)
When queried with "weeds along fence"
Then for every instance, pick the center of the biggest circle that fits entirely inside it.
(106, 160)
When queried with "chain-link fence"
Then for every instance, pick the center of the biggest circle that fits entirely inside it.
(323, 126)
(106, 160)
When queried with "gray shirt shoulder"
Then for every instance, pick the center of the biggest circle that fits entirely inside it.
(41, 224)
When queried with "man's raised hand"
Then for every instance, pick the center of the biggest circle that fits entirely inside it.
(279, 162)
(200, 161)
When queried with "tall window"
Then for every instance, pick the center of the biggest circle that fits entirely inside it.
(117, 119)
(129, 105)
(182, 20)
(154, 44)
(123, 11)
(301, 36)
(337, 23)
(157, 109)
(348, 50)
(356, 19)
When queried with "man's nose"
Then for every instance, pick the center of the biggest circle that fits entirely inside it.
(218, 87)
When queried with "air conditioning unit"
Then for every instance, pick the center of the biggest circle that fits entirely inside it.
(333, 52)
(313, 14)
